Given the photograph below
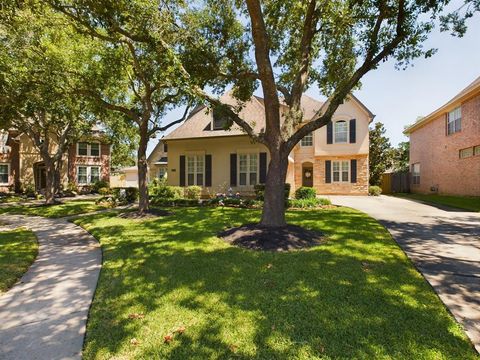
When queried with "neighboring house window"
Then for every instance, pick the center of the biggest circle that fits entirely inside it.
(161, 173)
(454, 121)
(341, 131)
(88, 174)
(4, 170)
(82, 149)
(340, 171)
(416, 173)
(465, 153)
(248, 169)
(307, 140)
(165, 148)
(476, 150)
(88, 149)
(195, 170)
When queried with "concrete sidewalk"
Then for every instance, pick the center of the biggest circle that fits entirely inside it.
(443, 244)
(44, 315)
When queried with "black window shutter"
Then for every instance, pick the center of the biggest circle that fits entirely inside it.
(208, 170)
(328, 171)
(353, 131)
(330, 133)
(233, 169)
(182, 170)
(263, 167)
(353, 171)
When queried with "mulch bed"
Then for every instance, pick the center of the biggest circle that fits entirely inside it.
(152, 213)
(256, 237)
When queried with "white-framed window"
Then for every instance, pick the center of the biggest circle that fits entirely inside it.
(340, 131)
(161, 173)
(307, 140)
(454, 121)
(341, 171)
(476, 150)
(466, 153)
(88, 149)
(88, 174)
(4, 173)
(195, 170)
(416, 174)
(247, 169)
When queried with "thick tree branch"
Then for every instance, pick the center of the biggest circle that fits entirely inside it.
(169, 125)
(370, 61)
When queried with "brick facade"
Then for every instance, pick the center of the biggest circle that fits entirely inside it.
(360, 187)
(103, 161)
(438, 153)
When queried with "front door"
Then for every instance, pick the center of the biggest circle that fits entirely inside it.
(307, 176)
(40, 177)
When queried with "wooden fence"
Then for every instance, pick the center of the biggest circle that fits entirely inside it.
(398, 182)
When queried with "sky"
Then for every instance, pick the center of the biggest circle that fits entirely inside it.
(398, 97)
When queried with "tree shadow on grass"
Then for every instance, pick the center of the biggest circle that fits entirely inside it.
(357, 296)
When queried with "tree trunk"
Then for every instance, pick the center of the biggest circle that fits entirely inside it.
(273, 214)
(143, 203)
(49, 182)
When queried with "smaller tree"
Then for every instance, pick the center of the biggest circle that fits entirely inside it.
(401, 156)
(380, 153)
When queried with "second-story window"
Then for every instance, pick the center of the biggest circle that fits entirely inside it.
(341, 131)
(454, 121)
(307, 140)
(88, 149)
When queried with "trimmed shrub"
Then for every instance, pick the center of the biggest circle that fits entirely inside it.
(374, 190)
(307, 203)
(193, 192)
(305, 192)
(100, 184)
(260, 191)
(104, 191)
(162, 191)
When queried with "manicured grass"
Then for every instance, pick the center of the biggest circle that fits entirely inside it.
(18, 250)
(73, 207)
(356, 296)
(471, 203)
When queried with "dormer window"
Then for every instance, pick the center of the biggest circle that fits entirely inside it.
(219, 120)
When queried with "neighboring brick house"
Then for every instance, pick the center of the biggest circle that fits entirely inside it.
(21, 164)
(333, 160)
(445, 147)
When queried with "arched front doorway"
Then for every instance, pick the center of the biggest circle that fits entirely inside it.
(307, 174)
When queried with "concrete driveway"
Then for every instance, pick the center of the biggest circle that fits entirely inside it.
(443, 244)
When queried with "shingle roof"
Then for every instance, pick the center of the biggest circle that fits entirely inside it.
(462, 95)
(253, 111)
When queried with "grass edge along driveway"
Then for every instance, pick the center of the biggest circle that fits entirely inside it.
(469, 203)
(169, 288)
(18, 250)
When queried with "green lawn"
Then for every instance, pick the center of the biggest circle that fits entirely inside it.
(356, 296)
(73, 207)
(18, 249)
(471, 203)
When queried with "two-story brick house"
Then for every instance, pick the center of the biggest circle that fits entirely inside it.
(333, 159)
(21, 165)
(445, 147)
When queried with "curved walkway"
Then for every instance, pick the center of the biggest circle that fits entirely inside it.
(444, 245)
(44, 315)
